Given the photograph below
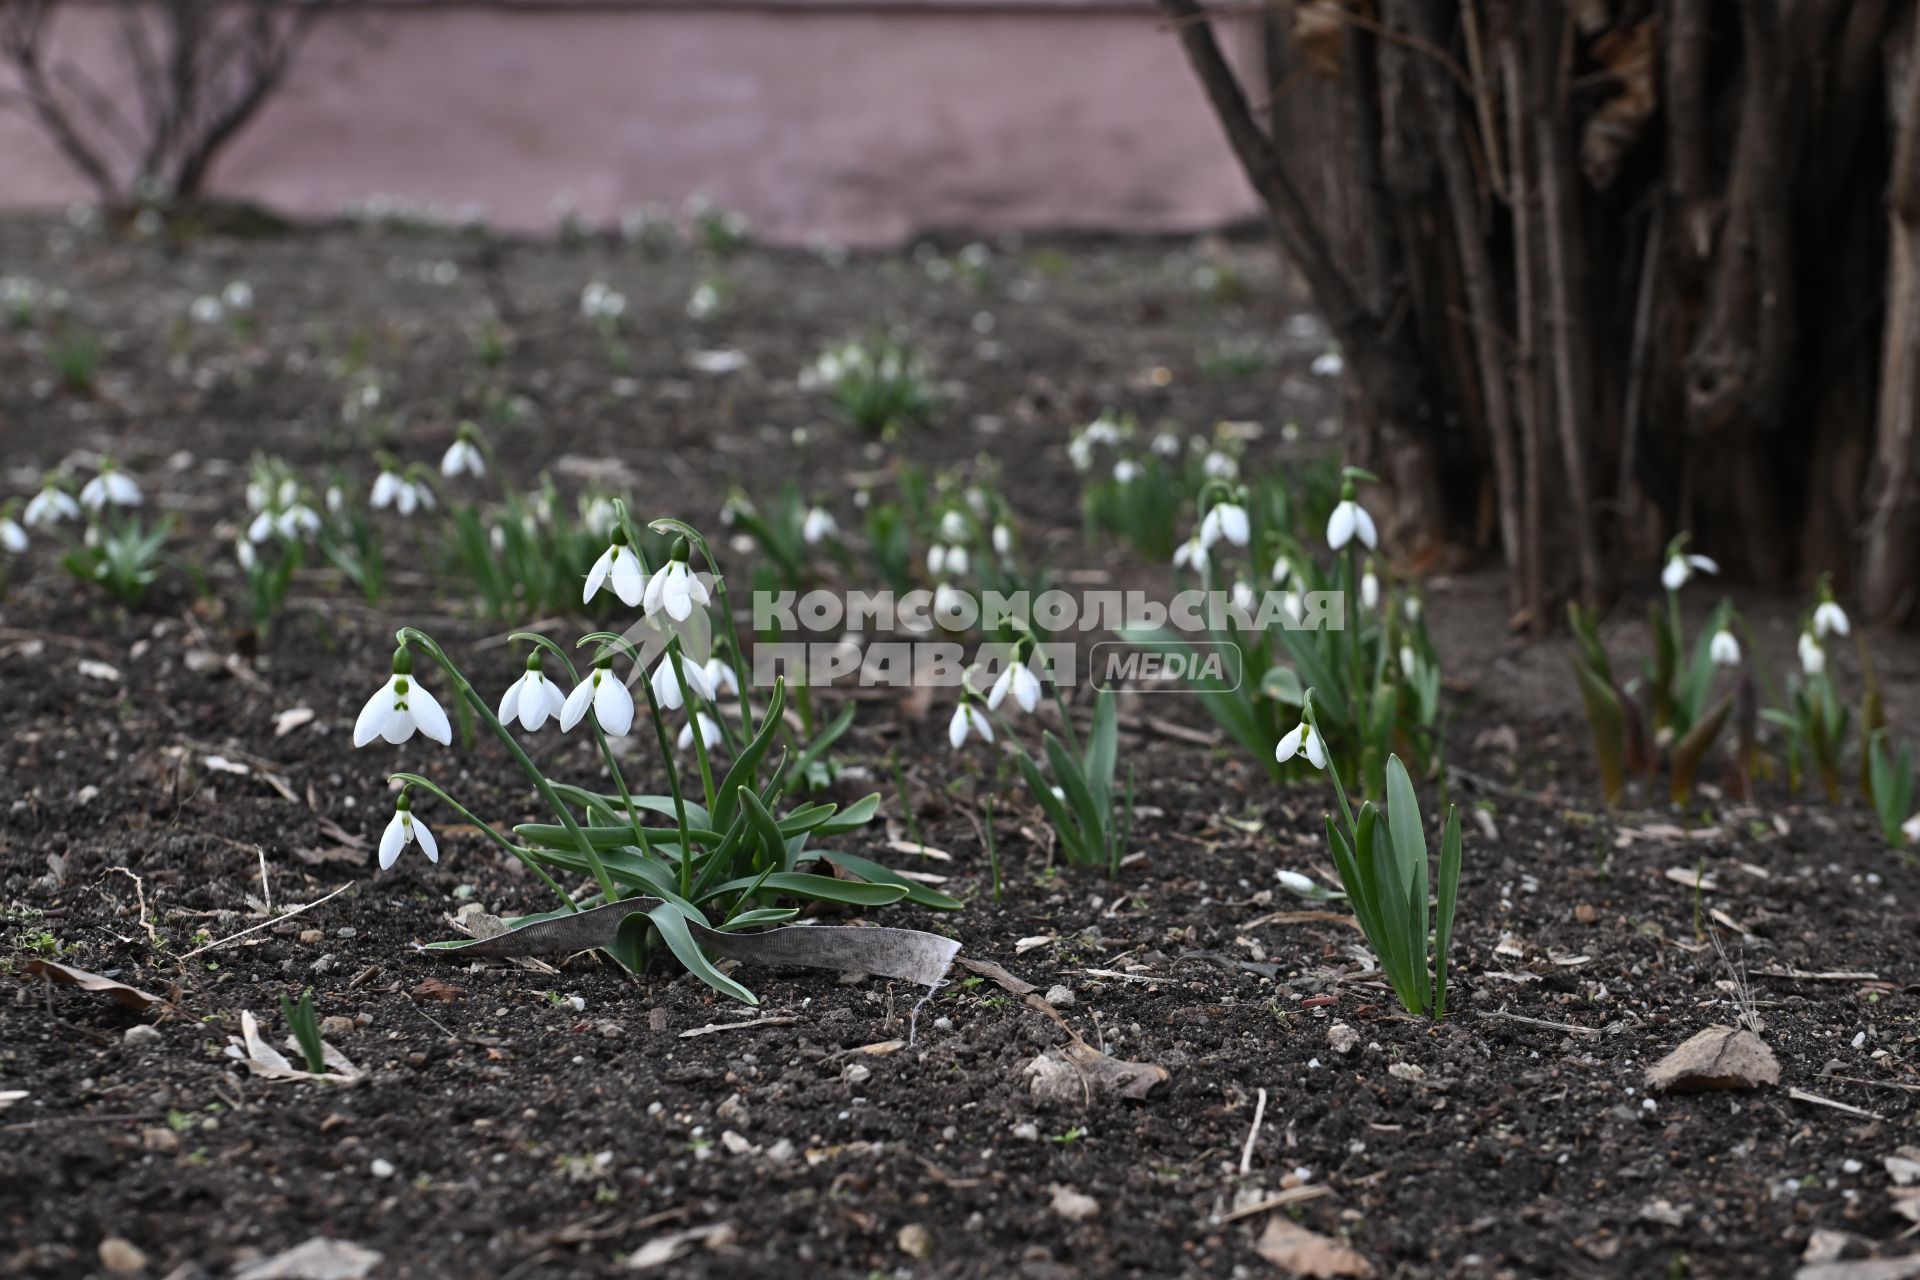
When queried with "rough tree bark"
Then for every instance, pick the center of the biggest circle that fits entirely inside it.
(1618, 263)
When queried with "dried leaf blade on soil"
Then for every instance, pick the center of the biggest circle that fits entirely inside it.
(1716, 1058)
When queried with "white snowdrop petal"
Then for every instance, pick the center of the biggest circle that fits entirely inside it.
(576, 704)
(428, 715)
(428, 845)
(372, 721)
(613, 706)
(393, 840)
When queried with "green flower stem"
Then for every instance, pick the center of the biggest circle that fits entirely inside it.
(674, 658)
(1312, 718)
(525, 855)
(699, 540)
(666, 756)
(413, 635)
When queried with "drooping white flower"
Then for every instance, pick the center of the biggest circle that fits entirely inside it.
(1102, 430)
(1282, 569)
(463, 457)
(619, 565)
(1191, 554)
(1329, 364)
(336, 499)
(1350, 520)
(405, 829)
(206, 309)
(818, 526)
(12, 537)
(709, 732)
(1409, 661)
(953, 526)
(1723, 649)
(1002, 540)
(1167, 444)
(674, 588)
(1411, 607)
(243, 552)
(389, 490)
(237, 296)
(967, 719)
(110, 486)
(1080, 453)
(532, 698)
(1829, 619)
(1126, 471)
(1021, 682)
(721, 678)
(1243, 595)
(1911, 829)
(399, 707)
(1813, 654)
(49, 506)
(606, 694)
(1219, 465)
(1369, 588)
(1681, 566)
(1226, 520)
(666, 688)
(1301, 739)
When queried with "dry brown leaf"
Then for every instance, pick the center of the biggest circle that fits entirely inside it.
(1628, 55)
(317, 1259)
(67, 975)
(1298, 1251)
(434, 989)
(1077, 1072)
(1717, 1058)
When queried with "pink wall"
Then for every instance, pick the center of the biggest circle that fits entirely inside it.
(862, 127)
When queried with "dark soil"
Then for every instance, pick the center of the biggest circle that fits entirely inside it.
(504, 1132)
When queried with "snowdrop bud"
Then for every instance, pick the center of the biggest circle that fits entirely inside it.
(1409, 661)
(1813, 655)
(1911, 829)
(1002, 540)
(1301, 739)
(1411, 607)
(1370, 588)
(244, 553)
(1298, 883)
(1723, 649)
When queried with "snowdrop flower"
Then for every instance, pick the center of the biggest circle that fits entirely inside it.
(237, 296)
(606, 694)
(1369, 587)
(1329, 364)
(1002, 540)
(1350, 520)
(953, 526)
(704, 302)
(404, 830)
(620, 565)
(1102, 430)
(709, 732)
(463, 456)
(1298, 883)
(1080, 453)
(674, 588)
(110, 486)
(721, 678)
(1226, 520)
(1409, 661)
(1282, 570)
(531, 698)
(967, 720)
(1243, 595)
(13, 539)
(1813, 655)
(390, 489)
(1301, 738)
(818, 526)
(1411, 607)
(602, 304)
(944, 560)
(1911, 829)
(1167, 444)
(1829, 619)
(1191, 554)
(1018, 680)
(1723, 649)
(1220, 466)
(1681, 566)
(244, 553)
(1126, 471)
(207, 310)
(49, 506)
(336, 499)
(400, 706)
(666, 688)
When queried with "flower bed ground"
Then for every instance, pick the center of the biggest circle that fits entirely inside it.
(506, 1129)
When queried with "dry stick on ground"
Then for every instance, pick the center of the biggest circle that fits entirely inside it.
(1526, 391)
(290, 913)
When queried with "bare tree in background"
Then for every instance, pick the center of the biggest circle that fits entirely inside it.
(200, 70)
(1608, 269)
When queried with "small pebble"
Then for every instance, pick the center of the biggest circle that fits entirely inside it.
(141, 1035)
(381, 1168)
(856, 1073)
(1059, 996)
